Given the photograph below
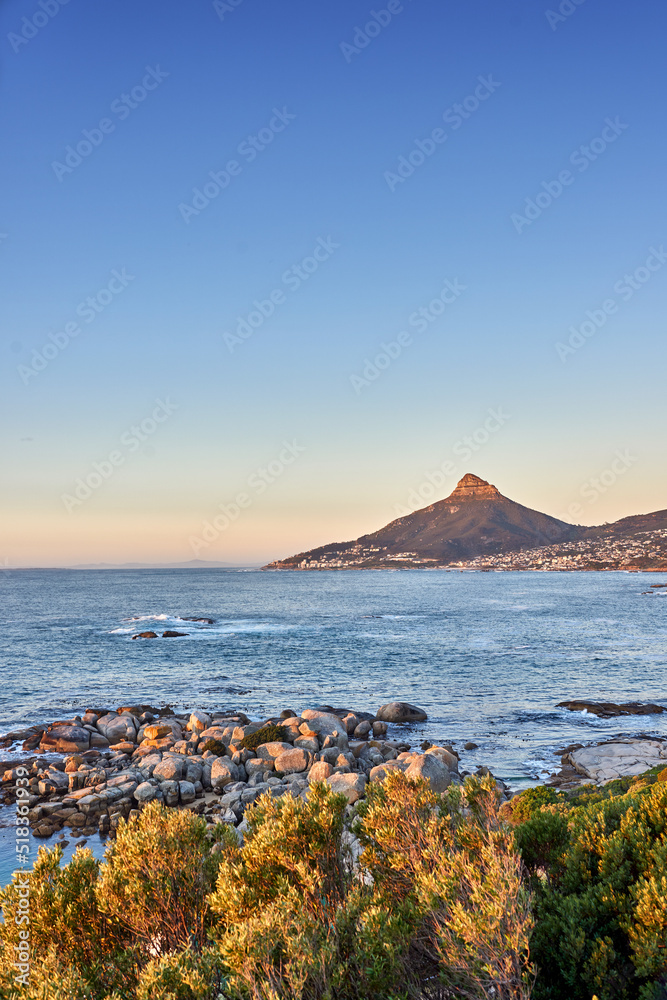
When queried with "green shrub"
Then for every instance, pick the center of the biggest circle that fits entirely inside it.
(541, 840)
(293, 921)
(95, 927)
(69, 932)
(182, 975)
(215, 746)
(601, 894)
(267, 734)
(156, 878)
(456, 861)
(526, 803)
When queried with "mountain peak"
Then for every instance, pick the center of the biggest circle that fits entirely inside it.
(472, 486)
(475, 520)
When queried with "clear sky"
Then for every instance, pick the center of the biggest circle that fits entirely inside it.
(216, 214)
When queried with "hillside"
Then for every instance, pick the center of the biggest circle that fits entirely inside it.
(474, 520)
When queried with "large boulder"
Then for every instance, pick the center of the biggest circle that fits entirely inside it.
(431, 768)
(170, 768)
(449, 759)
(291, 726)
(222, 734)
(308, 743)
(320, 771)
(618, 759)
(193, 771)
(118, 728)
(54, 781)
(293, 761)
(609, 709)
(255, 765)
(324, 723)
(223, 772)
(380, 771)
(65, 738)
(362, 730)
(270, 751)
(400, 711)
(199, 721)
(351, 785)
(188, 792)
(169, 791)
(146, 792)
(155, 732)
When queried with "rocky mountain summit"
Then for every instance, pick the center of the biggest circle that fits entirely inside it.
(477, 527)
(474, 519)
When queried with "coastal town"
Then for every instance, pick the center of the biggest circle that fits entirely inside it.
(645, 550)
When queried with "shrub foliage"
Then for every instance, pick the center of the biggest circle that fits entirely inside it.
(179, 912)
(267, 734)
(558, 897)
(598, 868)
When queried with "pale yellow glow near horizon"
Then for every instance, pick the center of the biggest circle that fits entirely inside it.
(50, 541)
(279, 527)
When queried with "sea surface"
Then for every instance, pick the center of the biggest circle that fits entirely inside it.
(487, 655)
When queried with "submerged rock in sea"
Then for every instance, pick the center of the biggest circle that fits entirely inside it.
(170, 634)
(145, 635)
(609, 709)
(400, 711)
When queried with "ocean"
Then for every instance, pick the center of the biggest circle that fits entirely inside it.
(487, 655)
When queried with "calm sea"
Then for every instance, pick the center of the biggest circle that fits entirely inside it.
(487, 655)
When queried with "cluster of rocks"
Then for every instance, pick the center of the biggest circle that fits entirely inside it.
(116, 762)
(171, 633)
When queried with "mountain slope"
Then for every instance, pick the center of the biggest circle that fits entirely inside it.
(475, 519)
(630, 526)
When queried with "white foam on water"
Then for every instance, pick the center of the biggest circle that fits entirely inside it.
(151, 618)
(204, 631)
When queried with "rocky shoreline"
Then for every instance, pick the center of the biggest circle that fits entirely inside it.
(104, 766)
(87, 773)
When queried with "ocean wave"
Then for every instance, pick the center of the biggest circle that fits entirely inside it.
(152, 618)
(204, 631)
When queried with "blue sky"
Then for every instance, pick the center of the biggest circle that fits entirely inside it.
(332, 125)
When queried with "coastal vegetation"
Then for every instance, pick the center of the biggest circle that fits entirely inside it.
(407, 894)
